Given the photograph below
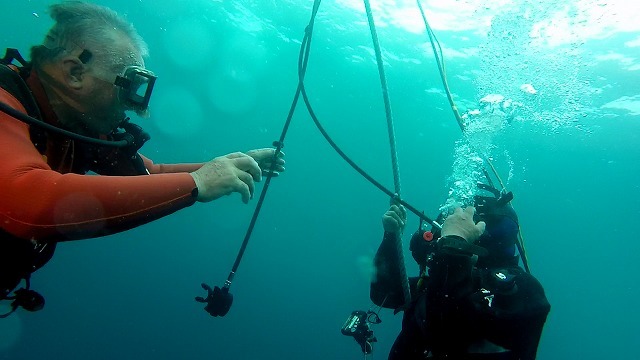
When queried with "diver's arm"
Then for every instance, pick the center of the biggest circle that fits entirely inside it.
(262, 156)
(40, 203)
(386, 285)
(527, 336)
(170, 168)
(451, 268)
(515, 318)
(450, 271)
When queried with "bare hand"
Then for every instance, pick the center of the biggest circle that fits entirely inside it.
(460, 223)
(227, 174)
(264, 159)
(394, 220)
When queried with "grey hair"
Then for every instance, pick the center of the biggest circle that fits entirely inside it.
(88, 26)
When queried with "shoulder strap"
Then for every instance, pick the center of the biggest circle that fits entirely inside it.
(11, 80)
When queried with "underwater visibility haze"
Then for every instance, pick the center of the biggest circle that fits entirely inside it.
(549, 91)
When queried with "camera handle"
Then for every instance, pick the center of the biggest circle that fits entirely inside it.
(357, 326)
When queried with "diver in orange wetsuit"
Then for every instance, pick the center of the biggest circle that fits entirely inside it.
(86, 75)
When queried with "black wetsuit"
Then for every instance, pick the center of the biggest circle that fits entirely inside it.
(462, 310)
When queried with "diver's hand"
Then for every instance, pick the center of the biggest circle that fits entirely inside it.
(227, 174)
(460, 223)
(264, 159)
(394, 219)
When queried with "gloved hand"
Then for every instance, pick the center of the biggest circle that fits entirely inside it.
(227, 174)
(264, 156)
(394, 219)
(461, 223)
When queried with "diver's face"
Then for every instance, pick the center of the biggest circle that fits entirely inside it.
(106, 111)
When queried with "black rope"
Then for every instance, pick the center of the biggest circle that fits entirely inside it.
(219, 300)
(359, 169)
(304, 55)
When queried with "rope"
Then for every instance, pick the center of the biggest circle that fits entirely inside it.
(392, 143)
(442, 70)
(303, 61)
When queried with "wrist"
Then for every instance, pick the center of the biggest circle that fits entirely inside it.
(389, 235)
(456, 244)
(450, 237)
(198, 184)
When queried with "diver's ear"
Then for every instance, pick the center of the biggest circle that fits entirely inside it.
(74, 72)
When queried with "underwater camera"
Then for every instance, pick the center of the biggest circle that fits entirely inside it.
(357, 326)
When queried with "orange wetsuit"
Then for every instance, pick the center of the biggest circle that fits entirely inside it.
(48, 196)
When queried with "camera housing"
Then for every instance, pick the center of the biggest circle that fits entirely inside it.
(357, 326)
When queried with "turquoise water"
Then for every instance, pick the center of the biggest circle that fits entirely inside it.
(227, 75)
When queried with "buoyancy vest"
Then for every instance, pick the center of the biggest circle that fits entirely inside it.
(21, 257)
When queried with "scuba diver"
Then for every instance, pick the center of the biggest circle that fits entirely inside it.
(471, 300)
(69, 162)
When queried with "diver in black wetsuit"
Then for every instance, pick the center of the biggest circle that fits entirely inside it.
(471, 300)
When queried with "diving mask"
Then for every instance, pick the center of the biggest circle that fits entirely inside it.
(135, 85)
